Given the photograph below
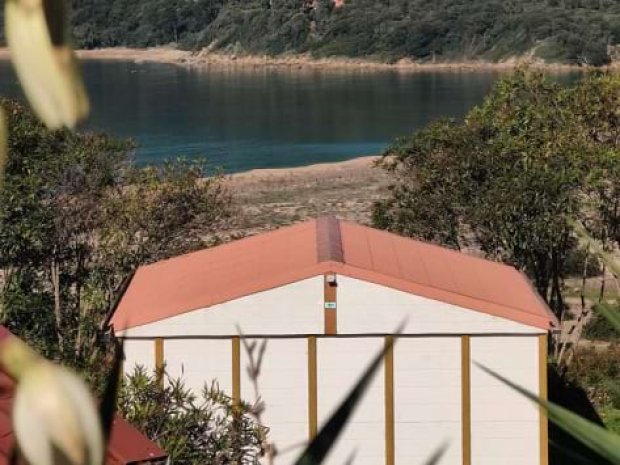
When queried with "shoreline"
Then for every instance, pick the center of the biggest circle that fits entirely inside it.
(206, 58)
(335, 168)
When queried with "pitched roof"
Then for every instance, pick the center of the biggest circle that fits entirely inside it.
(212, 276)
(126, 446)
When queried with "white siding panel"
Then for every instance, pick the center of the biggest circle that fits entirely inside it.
(283, 385)
(340, 363)
(365, 307)
(505, 425)
(296, 308)
(139, 353)
(427, 398)
(200, 361)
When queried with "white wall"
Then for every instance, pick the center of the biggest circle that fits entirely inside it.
(365, 307)
(427, 398)
(296, 308)
(283, 386)
(505, 425)
(340, 364)
(139, 352)
(200, 361)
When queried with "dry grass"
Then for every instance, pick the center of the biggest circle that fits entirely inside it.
(268, 199)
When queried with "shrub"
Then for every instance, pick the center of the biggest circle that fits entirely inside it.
(205, 429)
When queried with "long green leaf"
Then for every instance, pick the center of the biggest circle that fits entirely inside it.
(612, 315)
(597, 248)
(108, 402)
(320, 446)
(4, 144)
(596, 438)
(437, 455)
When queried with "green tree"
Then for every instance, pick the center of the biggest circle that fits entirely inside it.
(76, 218)
(510, 177)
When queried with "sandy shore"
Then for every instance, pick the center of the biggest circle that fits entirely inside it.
(268, 198)
(208, 58)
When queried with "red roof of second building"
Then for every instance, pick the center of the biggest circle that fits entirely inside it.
(211, 276)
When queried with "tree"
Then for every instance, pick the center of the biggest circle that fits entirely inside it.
(510, 177)
(76, 218)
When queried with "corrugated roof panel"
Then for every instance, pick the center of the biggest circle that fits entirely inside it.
(355, 246)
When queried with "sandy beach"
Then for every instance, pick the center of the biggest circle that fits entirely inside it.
(207, 57)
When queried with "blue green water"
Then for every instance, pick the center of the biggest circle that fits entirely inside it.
(241, 119)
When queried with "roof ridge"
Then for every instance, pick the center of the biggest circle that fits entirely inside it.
(329, 240)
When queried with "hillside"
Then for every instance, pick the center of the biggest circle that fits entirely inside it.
(564, 31)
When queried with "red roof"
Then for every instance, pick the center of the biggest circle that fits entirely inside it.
(212, 276)
(126, 446)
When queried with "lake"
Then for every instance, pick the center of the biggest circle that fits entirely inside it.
(240, 118)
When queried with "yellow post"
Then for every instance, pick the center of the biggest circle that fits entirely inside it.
(389, 401)
(466, 398)
(159, 360)
(542, 392)
(236, 369)
(312, 388)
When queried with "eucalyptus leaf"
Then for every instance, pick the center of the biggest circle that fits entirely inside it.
(596, 438)
(36, 33)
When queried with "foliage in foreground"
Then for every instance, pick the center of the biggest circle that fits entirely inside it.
(513, 175)
(192, 429)
(600, 329)
(76, 218)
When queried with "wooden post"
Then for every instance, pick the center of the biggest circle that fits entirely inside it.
(542, 392)
(312, 388)
(389, 401)
(159, 360)
(330, 305)
(466, 398)
(236, 370)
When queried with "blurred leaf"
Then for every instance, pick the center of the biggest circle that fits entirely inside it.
(108, 402)
(4, 142)
(598, 439)
(437, 455)
(597, 248)
(612, 315)
(36, 33)
(320, 446)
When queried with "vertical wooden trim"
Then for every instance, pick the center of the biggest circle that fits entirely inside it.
(330, 305)
(312, 388)
(389, 401)
(159, 359)
(236, 369)
(466, 398)
(542, 392)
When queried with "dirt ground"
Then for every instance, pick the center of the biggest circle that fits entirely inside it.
(269, 198)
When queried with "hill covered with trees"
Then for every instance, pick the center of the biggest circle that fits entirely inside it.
(566, 31)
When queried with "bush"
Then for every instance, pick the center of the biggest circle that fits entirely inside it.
(206, 429)
(598, 370)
